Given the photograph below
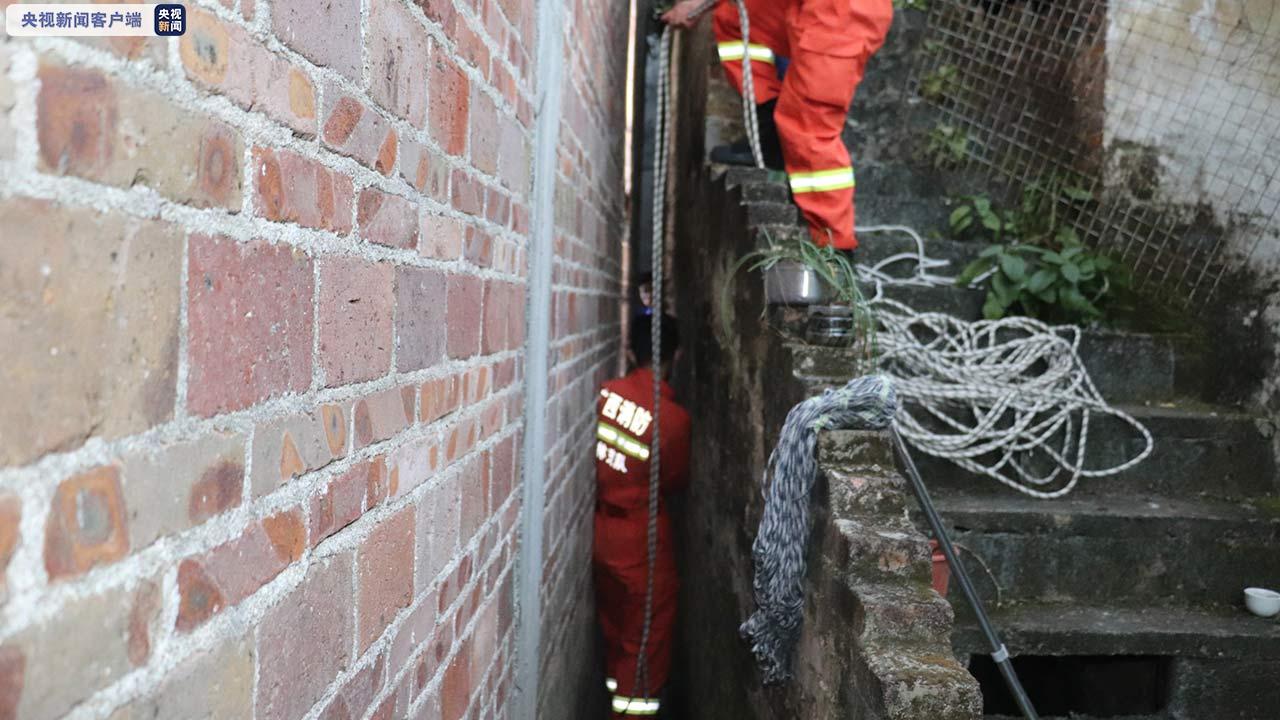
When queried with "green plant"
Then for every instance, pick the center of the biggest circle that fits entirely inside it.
(833, 267)
(1037, 219)
(947, 145)
(937, 83)
(1037, 265)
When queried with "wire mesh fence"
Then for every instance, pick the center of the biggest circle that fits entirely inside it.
(1166, 113)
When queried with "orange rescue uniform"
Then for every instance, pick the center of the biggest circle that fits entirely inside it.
(828, 43)
(620, 555)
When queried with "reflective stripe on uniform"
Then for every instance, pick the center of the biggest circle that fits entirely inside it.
(624, 705)
(622, 441)
(611, 685)
(822, 180)
(732, 50)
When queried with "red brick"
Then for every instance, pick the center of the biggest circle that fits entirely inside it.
(503, 472)
(249, 319)
(181, 485)
(357, 693)
(472, 48)
(464, 315)
(484, 132)
(93, 640)
(398, 56)
(474, 481)
(412, 464)
(379, 483)
(10, 517)
(478, 249)
(440, 11)
(90, 325)
(496, 309)
(92, 127)
(358, 131)
(328, 34)
(421, 299)
(292, 188)
(342, 502)
(227, 59)
(13, 665)
(86, 525)
(438, 517)
(142, 620)
(287, 447)
(467, 193)
(456, 688)
(355, 326)
(304, 641)
(387, 219)
(515, 315)
(414, 632)
(450, 102)
(386, 575)
(439, 398)
(497, 207)
(235, 570)
(214, 683)
(426, 169)
(383, 415)
(441, 237)
(513, 158)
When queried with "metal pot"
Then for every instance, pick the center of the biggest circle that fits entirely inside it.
(830, 325)
(794, 283)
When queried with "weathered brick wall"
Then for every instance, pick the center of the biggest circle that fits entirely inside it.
(262, 319)
(589, 220)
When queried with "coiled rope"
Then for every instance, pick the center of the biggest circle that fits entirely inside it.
(1008, 399)
(778, 551)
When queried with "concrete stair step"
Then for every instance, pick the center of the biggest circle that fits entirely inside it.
(1199, 451)
(1053, 629)
(1124, 550)
(1107, 354)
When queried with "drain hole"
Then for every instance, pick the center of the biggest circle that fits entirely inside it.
(1099, 686)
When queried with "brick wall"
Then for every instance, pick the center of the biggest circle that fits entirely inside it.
(262, 311)
(589, 219)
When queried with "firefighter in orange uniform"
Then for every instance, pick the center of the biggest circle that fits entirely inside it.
(620, 555)
(802, 115)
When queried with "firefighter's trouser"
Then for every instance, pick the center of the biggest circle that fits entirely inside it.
(828, 43)
(621, 570)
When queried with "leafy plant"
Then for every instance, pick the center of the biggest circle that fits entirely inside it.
(834, 268)
(935, 84)
(1037, 265)
(1037, 219)
(947, 145)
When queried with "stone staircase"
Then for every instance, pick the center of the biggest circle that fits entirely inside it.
(1122, 599)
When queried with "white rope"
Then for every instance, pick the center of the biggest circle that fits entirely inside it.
(1000, 398)
(749, 119)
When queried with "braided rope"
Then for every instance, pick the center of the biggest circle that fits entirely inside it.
(657, 261)
(749, 119)
(778, 551)
(1026, 396)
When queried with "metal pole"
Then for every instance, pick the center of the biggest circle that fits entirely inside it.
(999, 652)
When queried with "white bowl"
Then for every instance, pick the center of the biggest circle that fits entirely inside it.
(1262, 602)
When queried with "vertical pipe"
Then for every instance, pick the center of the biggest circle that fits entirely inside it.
(537, 350)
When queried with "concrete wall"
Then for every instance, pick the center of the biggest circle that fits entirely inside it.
(874, 643)
(1194, 79)
(262, 301)
(1192, 85)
